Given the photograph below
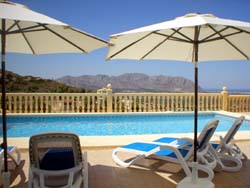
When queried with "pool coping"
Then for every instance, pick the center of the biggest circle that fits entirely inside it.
(94, 142)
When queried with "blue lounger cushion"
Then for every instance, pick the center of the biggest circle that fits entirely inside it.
(140, 146)
(58, 159)
(170, 153)
(215, 146)
(9, 148)
(168, 140)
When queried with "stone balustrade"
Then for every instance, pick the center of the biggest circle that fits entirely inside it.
(107, 101)
(55, 102)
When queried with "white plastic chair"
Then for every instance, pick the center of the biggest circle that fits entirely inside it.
(56, 160)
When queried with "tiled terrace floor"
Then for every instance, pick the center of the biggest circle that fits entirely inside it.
(103, 173)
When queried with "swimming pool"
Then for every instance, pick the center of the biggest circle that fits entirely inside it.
(100, 125)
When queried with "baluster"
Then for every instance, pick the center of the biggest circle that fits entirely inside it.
(148, 102)
(172, 103)
(78, 103)
(238, 104)
(105, 103)
(87, 103)
(158, 103)
(144, 103)
(59, 104)
(120, 104)
(152, 103)
(234, 105)
(36, 104)
(167, 103)
(19, 104)
(8, 101)
(67, 103)
(199, 102)
(241, 104)
(84, 104)
(125, 103)
(115, 103)
(50, 104)
(31, 110)
(248, 104)
(134, 103)
(190, 102)
(25, 104)
(206, 103)
(219, 102)
(94, 104)
(210, 103)
(14, 107)
(230, 104)
(72, 102)
(91, 104)
(104, 107)
(129, 103)
(41, 104)
(182, 102)
(163, 103)
(33, 104)
(185, 103)
(215, 103)
(155, 103)
(98, 103)
(46, 104)
(139, 103)
(28, 103)
(207, 99)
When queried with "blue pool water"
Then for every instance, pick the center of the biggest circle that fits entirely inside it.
(98, 125)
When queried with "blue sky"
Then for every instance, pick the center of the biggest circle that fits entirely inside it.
(105, 17)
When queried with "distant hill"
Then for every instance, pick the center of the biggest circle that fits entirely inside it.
(131, 82)
(28, 84)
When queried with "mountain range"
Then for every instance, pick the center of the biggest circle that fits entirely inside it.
(131, 82)
(29, 84)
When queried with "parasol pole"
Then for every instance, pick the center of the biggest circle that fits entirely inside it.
(5, 174)
(4, 144)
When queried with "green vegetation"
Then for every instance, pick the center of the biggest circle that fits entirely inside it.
(29, 84)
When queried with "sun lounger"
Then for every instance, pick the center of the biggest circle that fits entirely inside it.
(227, 149)
(173, 151)
(13, 154)
(56, 160)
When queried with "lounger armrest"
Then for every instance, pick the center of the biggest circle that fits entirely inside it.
(85, 168)
(181, 160)
(173, 148)
(218, 136)
(188, 140)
